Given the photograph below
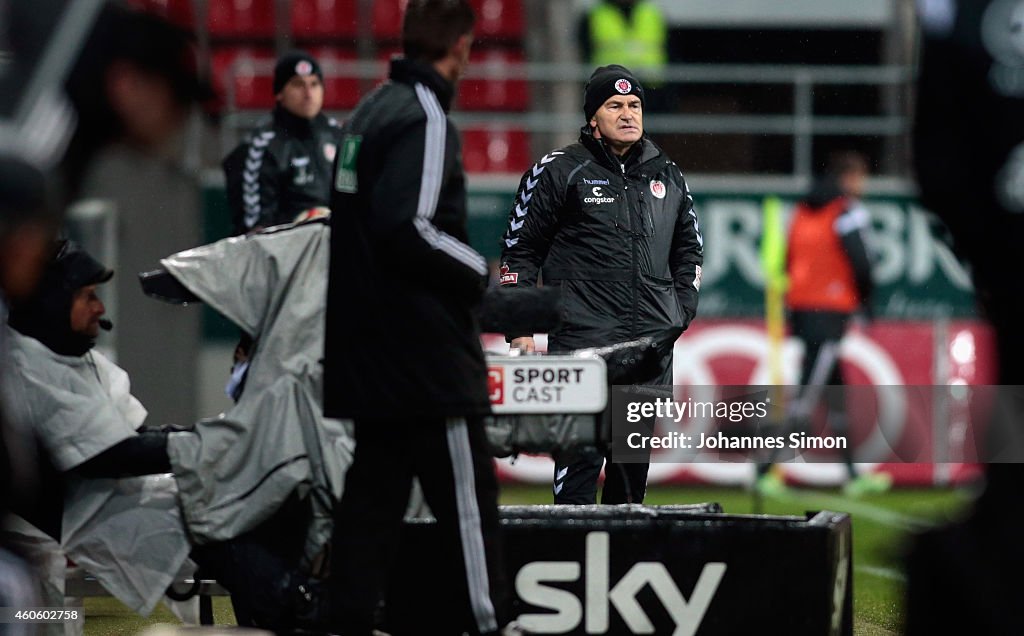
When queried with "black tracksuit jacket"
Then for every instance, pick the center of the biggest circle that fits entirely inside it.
(621, 239)
(282, 169)
(402, 335)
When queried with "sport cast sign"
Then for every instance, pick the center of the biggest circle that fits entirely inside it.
(546, 384)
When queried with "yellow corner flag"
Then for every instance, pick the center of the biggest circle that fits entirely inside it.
(773, 264)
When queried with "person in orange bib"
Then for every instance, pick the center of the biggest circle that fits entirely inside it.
(829, 270)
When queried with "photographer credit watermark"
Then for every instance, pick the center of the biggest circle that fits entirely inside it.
(824, 424)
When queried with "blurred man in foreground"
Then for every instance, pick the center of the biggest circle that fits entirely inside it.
(26, 225)
(131, 78)
(969, 158)
(402, 352)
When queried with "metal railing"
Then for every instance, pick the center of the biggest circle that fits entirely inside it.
(801, 123)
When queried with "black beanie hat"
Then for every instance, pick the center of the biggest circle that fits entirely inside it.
(292, 64)
(605, 82)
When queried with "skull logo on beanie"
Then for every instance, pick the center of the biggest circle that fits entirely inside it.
(605, 82)
(292, 64)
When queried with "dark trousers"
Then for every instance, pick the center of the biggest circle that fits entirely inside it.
(577, 472)
(457, 475)
(576, 477)
(821, 333)
(254, 565)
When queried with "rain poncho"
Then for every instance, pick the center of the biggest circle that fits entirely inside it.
(237, 469)
(128, 533)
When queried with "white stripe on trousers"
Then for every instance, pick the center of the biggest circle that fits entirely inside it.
(828, 357)
(470, 530)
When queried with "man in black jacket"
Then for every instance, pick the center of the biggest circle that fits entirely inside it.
(402, 351)
(284, 167)
(610, 220)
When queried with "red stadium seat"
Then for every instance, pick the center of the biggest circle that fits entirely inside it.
(322, 19)
(387, 18)
(241, 19)
(489, 150)
(498, 19)
(340, 92)
(494, 18)
(179, 12)
(494, 94)
(252, 86)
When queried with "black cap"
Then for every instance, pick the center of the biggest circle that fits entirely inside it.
(76, 268)
(46, 314)
(295, 63)
(605, 82)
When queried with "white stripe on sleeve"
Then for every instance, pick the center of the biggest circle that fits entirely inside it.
(856, 218)
(430, 187)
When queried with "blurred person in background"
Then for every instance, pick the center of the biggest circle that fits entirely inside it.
(632, 33)
(402, 352)
(284, 167)
(828, 266)
(969, 159)
(610, 221)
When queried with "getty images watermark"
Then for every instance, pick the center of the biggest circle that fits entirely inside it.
(743, 410)
(721, 423)
(862, 423)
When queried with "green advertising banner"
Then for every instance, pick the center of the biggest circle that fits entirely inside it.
(917, 276)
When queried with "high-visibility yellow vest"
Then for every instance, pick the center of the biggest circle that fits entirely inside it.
(638, 43)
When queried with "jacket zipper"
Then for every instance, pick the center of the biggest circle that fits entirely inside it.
(634, 236)
(644, 209)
